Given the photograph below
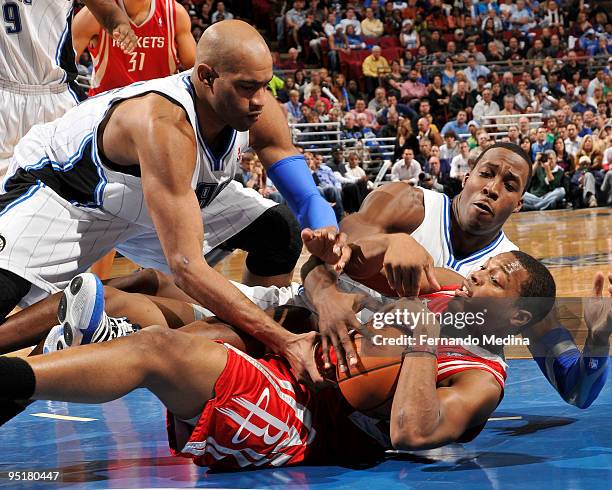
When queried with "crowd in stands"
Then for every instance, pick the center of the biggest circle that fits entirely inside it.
(428, 84)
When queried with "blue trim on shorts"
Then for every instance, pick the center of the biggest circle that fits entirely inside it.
(31, 191)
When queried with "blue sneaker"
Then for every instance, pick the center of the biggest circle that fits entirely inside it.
(81, 313)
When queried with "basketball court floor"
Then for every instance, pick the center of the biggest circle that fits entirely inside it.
(533, 440)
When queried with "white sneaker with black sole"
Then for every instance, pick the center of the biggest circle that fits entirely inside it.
(55, 340)
(81, 313)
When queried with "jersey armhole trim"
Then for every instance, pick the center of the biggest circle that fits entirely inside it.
(133, 170)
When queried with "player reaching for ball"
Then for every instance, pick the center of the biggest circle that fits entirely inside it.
(231, 411)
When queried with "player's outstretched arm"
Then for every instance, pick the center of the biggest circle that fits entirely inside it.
(115, 21)
(160, 138)
(577, 377)
(184, 39)
(84, 28)
(287, 168)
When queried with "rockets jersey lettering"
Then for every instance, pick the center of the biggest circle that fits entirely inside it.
(155, 54)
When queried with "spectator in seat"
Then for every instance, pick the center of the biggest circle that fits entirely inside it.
(459, 164)
(293, 106)
(541, 143)
(573, 141)
(373, 67)
(294, 18)
(524, 99)
(434, 43)
(425, 152)
(354, 40)
(413, 88)
(458, 126)
(360, 108)
(508, 110)
(485, 107)
(562, 157)
(582, 105)
(536, 52)
(493, 52)
(484, 140)
(315, 96)
(351, 19)
(514, 135)
(552, 16)
(389, 130)
(428, 131)
(371, 26)
(556, 48)
(522, 18)
(353, 193)
(350, 130)
(474, 70)
(393, 80)
(405, 139)
(461, 101)
(327, 183)
(407, 169)
(379, 102)
(409, 38)
(473, 127)
(570, 67)
(336, 43)
(435, 180)
(310, 34)
(448, 75)
(546, 190)
(221, 13)
(450, 148)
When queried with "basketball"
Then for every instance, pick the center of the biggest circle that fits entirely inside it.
(369, 386)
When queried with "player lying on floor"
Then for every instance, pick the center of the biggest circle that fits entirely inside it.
(230, 411)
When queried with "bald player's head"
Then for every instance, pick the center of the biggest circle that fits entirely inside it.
(232, 70)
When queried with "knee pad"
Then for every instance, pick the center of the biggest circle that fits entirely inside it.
(274, 242)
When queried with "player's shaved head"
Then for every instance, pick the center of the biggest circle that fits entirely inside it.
(231, 75)
(231, 45)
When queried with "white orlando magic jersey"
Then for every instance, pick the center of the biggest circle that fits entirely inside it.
(36, 42)
(434, 235)
(63, 155)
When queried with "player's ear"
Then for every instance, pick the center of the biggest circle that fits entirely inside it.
(520, 319)
(207, 74)
(518, 206)
(465, 177)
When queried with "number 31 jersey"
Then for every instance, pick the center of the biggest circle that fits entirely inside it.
(154, 56)
(36, 42)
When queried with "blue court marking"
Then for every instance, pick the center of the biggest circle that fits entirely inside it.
(553, 446)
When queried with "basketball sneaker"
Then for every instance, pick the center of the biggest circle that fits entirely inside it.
(81, 313)
(55, 340)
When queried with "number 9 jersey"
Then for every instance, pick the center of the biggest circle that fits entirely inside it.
(36, 42)
(155, 55)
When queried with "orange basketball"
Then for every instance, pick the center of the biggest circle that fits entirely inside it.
(369, 387)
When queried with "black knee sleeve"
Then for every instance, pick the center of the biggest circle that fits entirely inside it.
(12, 289)
(17, 381)
(272, 241)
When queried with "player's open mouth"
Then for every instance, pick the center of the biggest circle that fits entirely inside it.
(464, 291)
(484, 207)
(255, 115)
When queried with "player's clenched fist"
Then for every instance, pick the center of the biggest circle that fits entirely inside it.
(405, 271)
